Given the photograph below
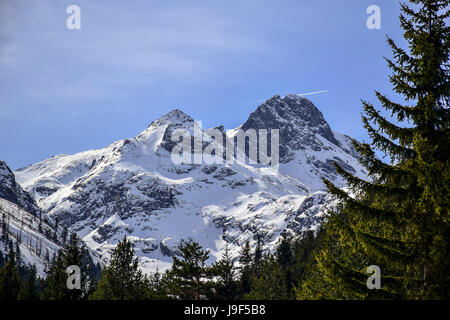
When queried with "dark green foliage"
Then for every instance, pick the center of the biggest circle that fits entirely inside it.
(72, 255)
(154, 286)
(285, 258)
(245, 259)
(399, 220)
(284, 254)
(281, 271)
(227, 285)
(257, 256)
(55, 282)
(271, 284)
(122, 279)
(304, 249)
(9, 278)
(190, 277)
(29, 286)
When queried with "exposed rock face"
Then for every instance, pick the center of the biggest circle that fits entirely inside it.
(298, 120)
(10, 190)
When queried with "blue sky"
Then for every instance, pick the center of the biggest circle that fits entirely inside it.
(65, 91)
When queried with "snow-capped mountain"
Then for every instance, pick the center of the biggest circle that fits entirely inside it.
(133, 188)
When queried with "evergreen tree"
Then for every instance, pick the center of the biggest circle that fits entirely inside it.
(55, 283)
(399, 220)
(18, 256)
(311, 283)
(72, 255)
(189, 277)
(4, 229)
(257, 256)
(284, 256)
(46, 259)
(271, 282)
(64, 235)
(284, 253)
(9, 279)
(245, 260)
(154, 285)
(227, 286)
(92, 273)
(304, 249)
(122, 279)
(29, 287)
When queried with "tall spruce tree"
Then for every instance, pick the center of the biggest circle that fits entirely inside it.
(284, 256)
(9, 278)
(245, 260)
(72, 255)
(399, 220)
(55, 283)
(257, 257)
(122, 279)
(271, 282)
(227, 285)
(189, 277)
(155, 289)
(29, 287)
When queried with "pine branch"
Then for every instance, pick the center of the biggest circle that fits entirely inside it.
(385, 145)
(402, 57)
(402, 112)
(384, 248)
(376, 167)
(404, 135)
(366, 209)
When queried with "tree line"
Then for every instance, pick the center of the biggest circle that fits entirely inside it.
(251, 275)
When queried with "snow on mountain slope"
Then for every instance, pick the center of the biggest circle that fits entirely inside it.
(34, 237)
(24, 224)
(132, 187)
(26, 227)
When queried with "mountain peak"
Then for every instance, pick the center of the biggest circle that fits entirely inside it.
(162, 129)
(298, 120)
(175, 116)
(290, 108)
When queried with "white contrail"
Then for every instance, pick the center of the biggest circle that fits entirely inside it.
(309, 93)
